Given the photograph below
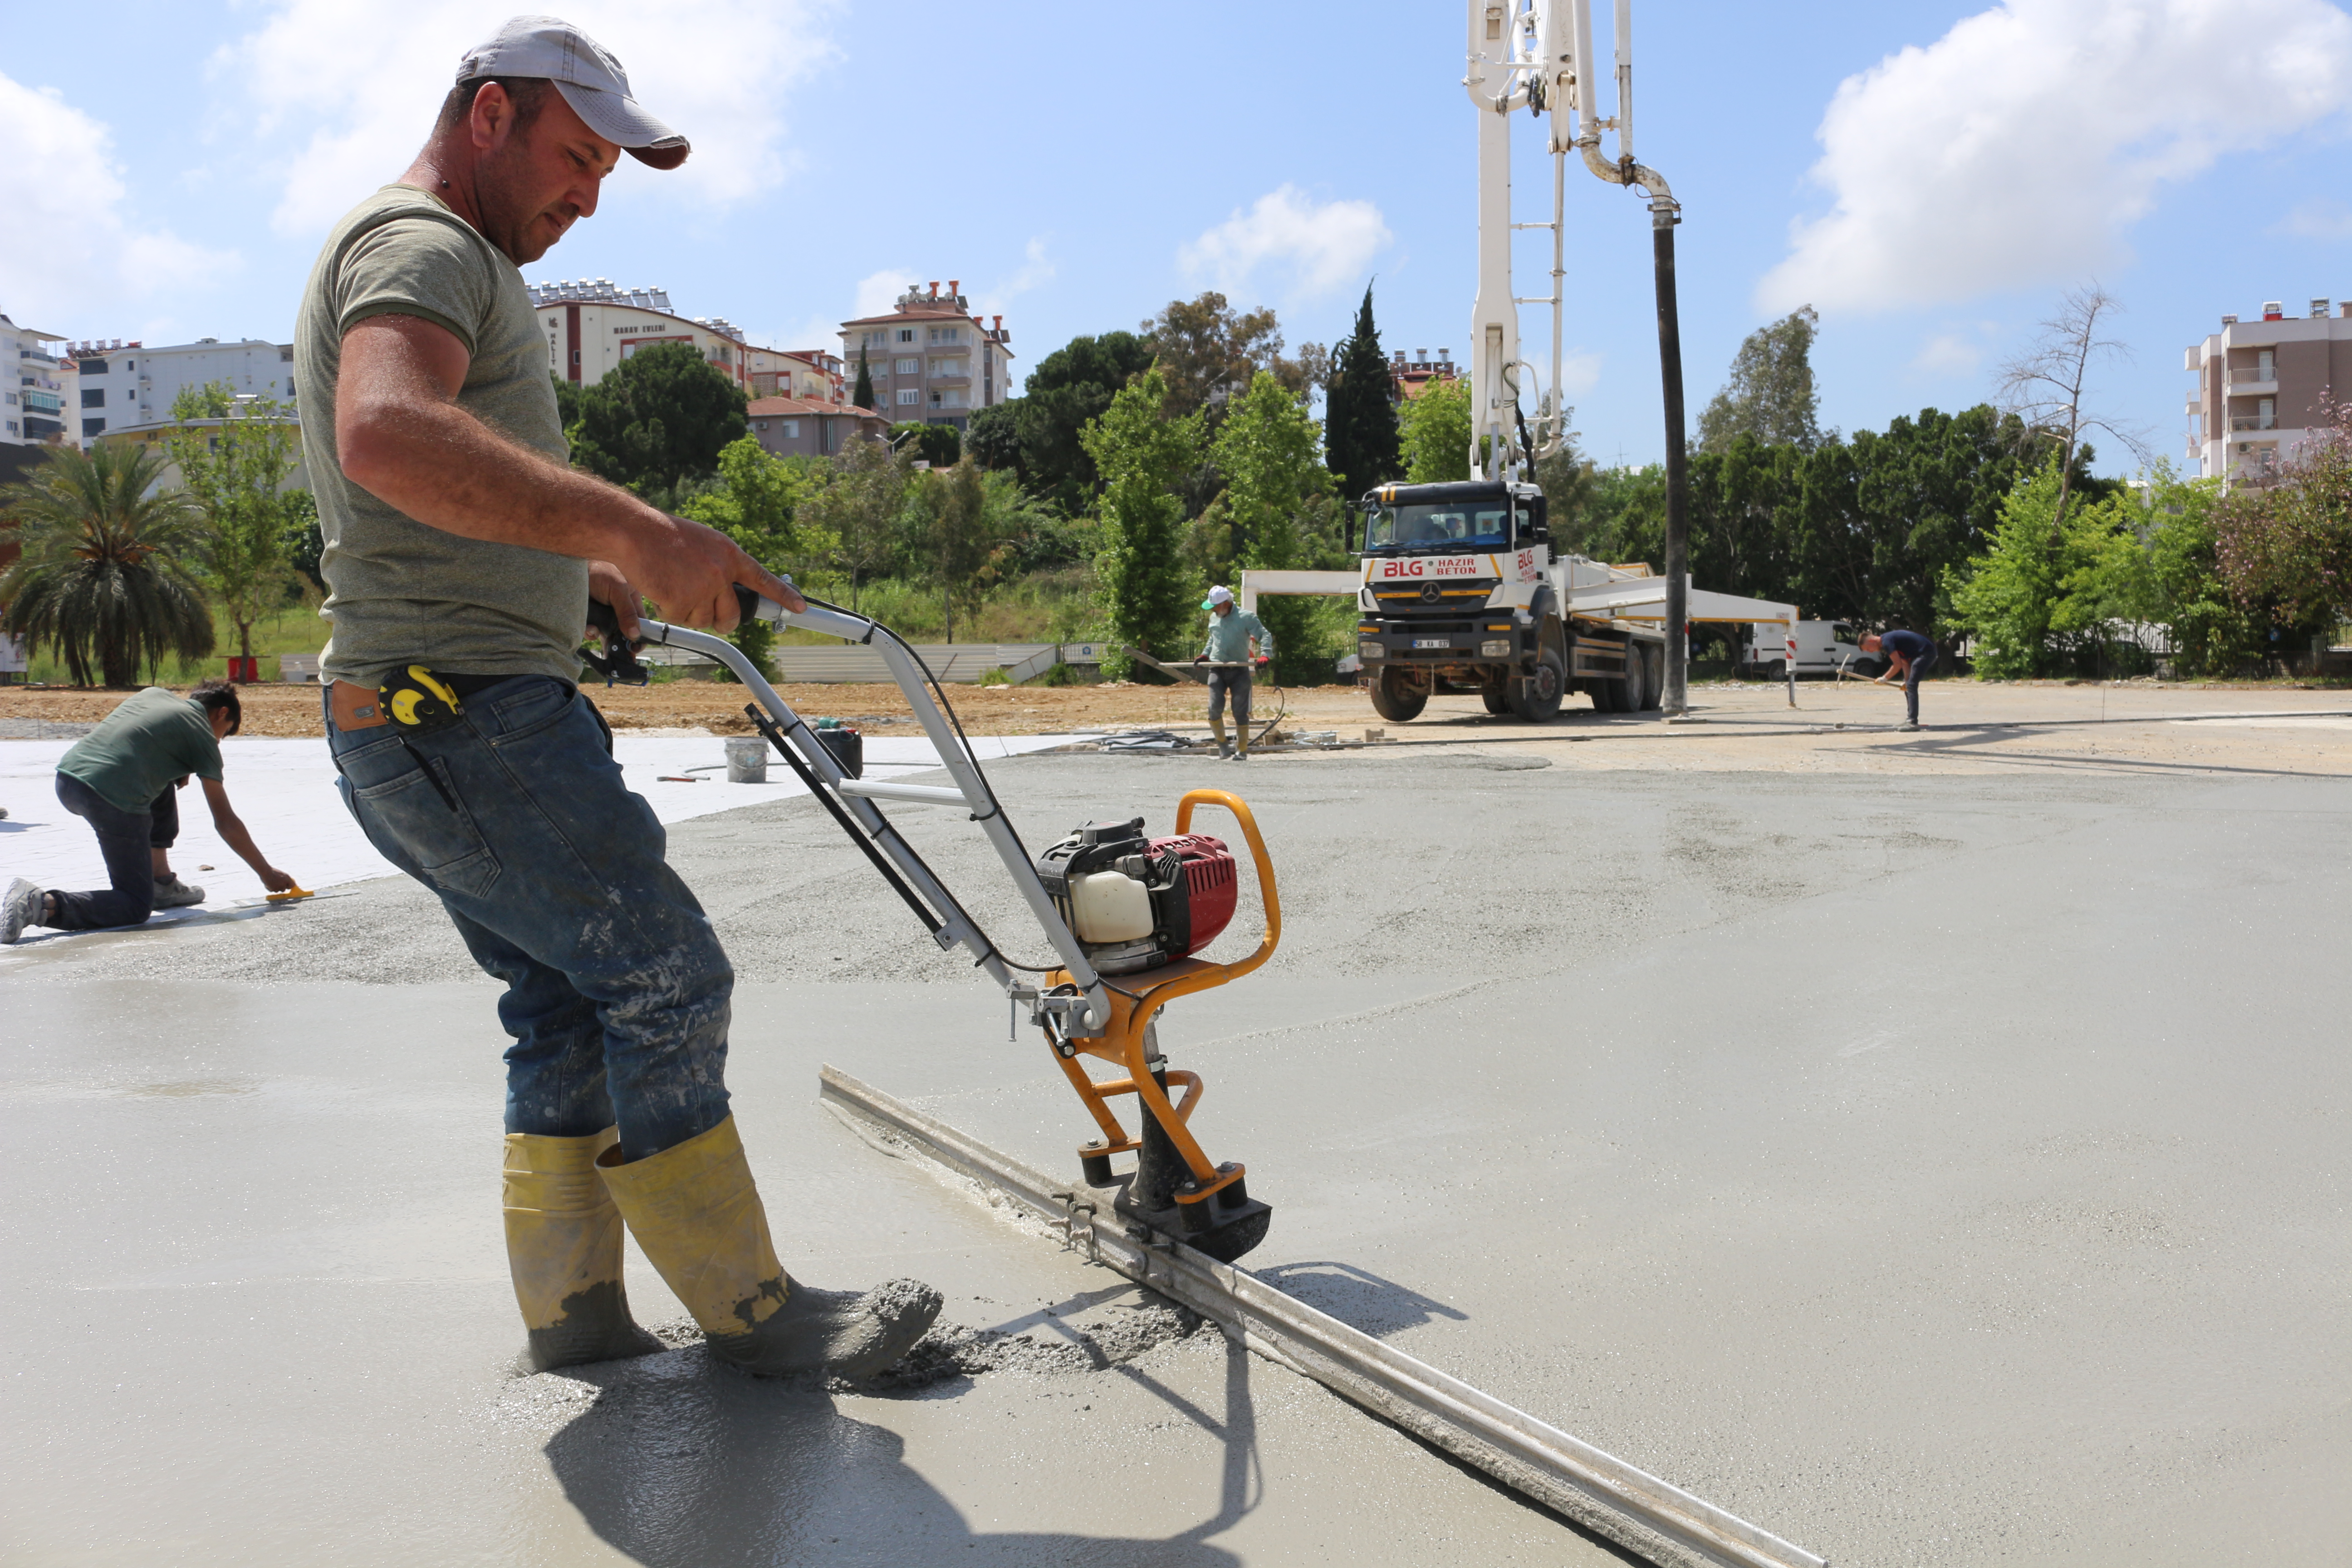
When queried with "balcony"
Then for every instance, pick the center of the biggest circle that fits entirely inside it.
(2242, 384)
(46, 402)
(951, 370)
(2255, 421)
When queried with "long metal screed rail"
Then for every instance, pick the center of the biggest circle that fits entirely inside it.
(1183, 1249)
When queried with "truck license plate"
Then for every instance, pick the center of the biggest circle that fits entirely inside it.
(1432, 642)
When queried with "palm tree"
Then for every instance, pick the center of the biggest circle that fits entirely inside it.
(102, 579)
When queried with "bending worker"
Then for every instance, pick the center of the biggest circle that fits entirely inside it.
(461, 555)
(123, 778)
(1231, 631)
(1909, 656)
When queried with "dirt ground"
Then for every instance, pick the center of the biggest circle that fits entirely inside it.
(1971, 726)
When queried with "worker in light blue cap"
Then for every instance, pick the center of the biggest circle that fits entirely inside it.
(1232, 630)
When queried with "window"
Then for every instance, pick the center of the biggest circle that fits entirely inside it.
(906, 334)
(910, 367)
(908, 395)
(93, 397)
(93, 426)
(791, 429)
(947, 334)
(948, 397)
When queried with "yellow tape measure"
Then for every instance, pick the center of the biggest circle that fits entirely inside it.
(418, 699)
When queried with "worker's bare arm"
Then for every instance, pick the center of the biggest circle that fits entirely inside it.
(400, 435)
(231, 827)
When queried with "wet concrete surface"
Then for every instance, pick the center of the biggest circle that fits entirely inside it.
(1932, 1168)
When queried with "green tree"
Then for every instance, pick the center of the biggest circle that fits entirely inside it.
(966, 536)
(657, 421)
(1437, 426)
(859, 509)
(1067, 391)
(938, 445)
(1360, 436)
(863, 395)
(2286, 549)
(1143, 455)
(104, 579)
(2176, 525)
(1769, 396)
(756, 501)
(2034, 592)
(234, 472)
(1207, 350)
(1276, 495)
(2046, 385)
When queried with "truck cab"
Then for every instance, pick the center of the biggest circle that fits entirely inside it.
(1461, 592)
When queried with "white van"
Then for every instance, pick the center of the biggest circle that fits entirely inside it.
(1823, 647)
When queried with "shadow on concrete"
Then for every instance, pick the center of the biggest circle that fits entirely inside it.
(682, 1463)
(1357, 1297)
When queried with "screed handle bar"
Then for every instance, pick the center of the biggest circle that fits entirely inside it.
(954, 755)
(1267, 898)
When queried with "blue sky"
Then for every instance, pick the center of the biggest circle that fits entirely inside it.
(1929, 176)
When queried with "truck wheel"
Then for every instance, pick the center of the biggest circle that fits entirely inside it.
(1497, 694)
(1394, 699)
(1632, 692)
(1537, 698)
(1653, 685)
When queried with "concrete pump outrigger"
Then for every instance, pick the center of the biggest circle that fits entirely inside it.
(1111, 901)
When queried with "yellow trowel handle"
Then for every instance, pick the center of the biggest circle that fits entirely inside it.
(1266, 895)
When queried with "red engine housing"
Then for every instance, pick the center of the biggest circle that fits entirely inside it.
(1210, 887)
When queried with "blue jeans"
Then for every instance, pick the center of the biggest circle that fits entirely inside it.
(125, 839)
(1919, 669)
(553, 871)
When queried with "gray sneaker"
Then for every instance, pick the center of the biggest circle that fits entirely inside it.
(1907, 724)
(19, 908)
(170, 893)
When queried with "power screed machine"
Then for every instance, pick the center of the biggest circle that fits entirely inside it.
(1126, 914)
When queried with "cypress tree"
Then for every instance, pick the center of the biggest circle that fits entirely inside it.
(864, 394)
(1360, 427)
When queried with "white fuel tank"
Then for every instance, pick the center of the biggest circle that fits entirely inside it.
(1109, 906)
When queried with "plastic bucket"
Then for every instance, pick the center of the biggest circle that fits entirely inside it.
(747, 759)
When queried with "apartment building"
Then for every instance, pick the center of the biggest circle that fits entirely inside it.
(810, 427)
(930, 358)
(124, 385)
(2259, 387)
(43, 386)
(593, 327)
(1410, 376)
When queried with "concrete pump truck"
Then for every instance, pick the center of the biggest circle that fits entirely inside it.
(1462, 590)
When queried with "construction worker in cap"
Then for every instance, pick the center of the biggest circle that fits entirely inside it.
(461, 556)
(1232, 630)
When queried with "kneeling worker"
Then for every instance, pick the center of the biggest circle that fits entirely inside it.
(121, 778)
(461, 555)
(1231, 631)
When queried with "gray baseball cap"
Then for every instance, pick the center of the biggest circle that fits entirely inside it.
(591, 81)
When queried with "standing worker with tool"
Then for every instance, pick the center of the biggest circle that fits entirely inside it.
(1908, 655)
(1231, 631)
(461, 557)
(123, 778)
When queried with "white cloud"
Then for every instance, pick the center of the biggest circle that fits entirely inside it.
(2321, 218)
(353, 86)
(879, 292)
(1036, 271)
(1579, 369)
(1947, 353)
(1324, 247)
(2019, 148)
(74, 256)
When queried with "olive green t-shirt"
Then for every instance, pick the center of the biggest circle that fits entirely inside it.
(399, 590)
(149, 742)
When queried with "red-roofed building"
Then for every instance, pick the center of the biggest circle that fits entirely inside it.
(930, 358)
(810, 426)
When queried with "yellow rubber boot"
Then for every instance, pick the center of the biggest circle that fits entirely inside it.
(563, 1248)
(696, 1214)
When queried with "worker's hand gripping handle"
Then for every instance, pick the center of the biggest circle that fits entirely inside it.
(618, 657)
(1258, 856)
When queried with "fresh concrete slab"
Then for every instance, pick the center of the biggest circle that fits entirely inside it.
(1934, 1167)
